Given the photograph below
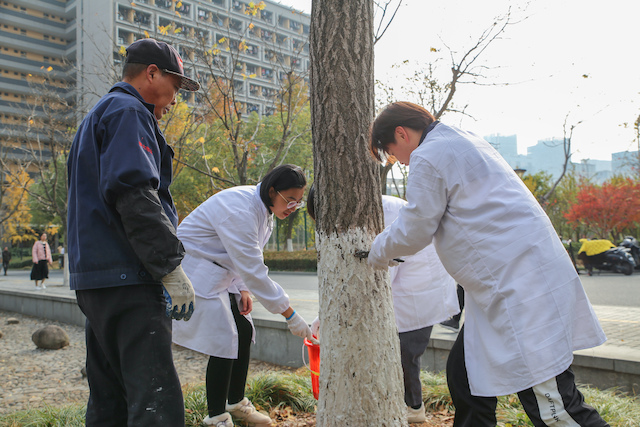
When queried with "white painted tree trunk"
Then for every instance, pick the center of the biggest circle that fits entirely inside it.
(65, 274)
(289, 245)
(360, 371)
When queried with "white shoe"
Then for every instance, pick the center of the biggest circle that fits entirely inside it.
(222, 420)
(245, 411)
(416, 415)
(43, 286)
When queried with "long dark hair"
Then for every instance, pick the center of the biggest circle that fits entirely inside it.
(406, 114)
(281, 178)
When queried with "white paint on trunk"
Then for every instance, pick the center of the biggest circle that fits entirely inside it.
(360, 371)
(289, 245)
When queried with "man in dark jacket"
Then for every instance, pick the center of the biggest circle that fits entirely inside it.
(124, 255)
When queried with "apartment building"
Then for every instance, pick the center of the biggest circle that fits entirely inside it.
(73, 49)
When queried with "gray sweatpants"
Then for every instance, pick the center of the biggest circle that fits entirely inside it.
(412, 346)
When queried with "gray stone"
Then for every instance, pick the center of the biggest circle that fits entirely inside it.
(12, 321)
(50, 337)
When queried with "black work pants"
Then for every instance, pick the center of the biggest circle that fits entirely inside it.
(226, 378)
(556, 401)
(132, 379)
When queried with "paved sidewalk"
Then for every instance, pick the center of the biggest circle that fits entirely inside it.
(621, 324)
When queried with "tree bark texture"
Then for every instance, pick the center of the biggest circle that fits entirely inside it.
(360, 371)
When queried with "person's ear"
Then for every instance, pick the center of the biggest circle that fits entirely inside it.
(152, 71)
(401, 133)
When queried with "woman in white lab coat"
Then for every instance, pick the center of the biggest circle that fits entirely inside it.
(224, 238)
(423, 295)
(526, 308)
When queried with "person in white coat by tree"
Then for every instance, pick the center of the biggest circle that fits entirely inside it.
(526, 308)
(224, 238)
(423, 295)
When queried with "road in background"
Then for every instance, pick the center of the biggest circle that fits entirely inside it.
(613, 289)
(602, 289)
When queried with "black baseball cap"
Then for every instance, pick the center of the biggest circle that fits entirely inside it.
(165, 56)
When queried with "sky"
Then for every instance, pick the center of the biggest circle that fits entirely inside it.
(561, 59)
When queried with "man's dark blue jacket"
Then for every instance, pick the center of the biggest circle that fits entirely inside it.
(121, 216)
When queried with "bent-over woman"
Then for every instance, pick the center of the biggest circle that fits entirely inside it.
(224, 239)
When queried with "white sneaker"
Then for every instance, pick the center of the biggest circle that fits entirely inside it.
(245, 411)
(416, 415)
(222, 420)
(43, 286)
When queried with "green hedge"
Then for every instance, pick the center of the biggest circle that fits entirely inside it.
(28, 262)
(291, 261)
(275, 260)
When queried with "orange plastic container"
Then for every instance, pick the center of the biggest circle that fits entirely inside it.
(314, 366)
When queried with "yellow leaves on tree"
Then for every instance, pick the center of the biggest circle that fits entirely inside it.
(14, 205)
(252, 8)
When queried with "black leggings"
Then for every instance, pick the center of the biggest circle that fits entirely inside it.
(226, 378)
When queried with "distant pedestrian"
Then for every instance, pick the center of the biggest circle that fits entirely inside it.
(6, 257)
(61, 259)
(41, 254)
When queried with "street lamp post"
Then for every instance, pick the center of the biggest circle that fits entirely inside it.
(520, 172)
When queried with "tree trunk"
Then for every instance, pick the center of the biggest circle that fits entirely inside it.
(360, 371)
(289, 232)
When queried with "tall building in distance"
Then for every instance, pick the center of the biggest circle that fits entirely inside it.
(74, 49)
(547, 155)
(507, 146)
(626, 163)
(37, 42)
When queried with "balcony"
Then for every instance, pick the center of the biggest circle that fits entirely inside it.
(184, 9)
(266, 16)
(164, 4)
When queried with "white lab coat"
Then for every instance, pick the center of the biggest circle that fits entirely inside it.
(526, 308)
(423, 292)
(224, 238)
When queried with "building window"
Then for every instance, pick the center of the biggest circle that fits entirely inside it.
(266, 16)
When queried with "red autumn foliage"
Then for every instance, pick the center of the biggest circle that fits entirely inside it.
(606, 209)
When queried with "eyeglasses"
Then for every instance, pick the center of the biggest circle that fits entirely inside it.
(292, 204)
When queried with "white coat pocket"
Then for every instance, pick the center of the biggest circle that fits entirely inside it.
(208, 279)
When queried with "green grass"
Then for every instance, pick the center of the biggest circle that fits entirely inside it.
(276, 390)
